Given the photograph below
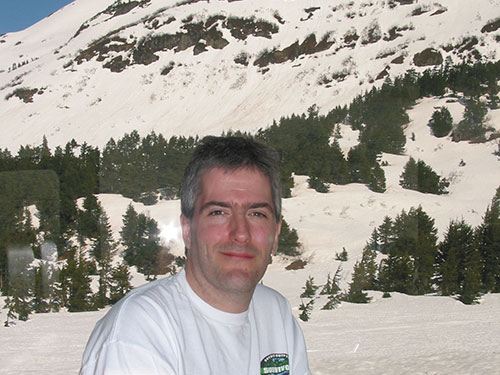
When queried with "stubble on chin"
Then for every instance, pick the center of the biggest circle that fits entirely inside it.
(239, 276)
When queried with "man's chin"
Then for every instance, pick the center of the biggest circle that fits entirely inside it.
(239, 281)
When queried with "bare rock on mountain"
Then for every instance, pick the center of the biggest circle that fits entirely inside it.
(428, 57)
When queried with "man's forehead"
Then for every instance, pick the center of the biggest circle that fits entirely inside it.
(247, 180)
(224, 170)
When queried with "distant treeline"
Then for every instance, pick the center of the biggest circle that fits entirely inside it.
(146, 168)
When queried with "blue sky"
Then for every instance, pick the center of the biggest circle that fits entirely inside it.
(17, 15)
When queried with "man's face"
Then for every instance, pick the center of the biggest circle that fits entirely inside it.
(232, 233)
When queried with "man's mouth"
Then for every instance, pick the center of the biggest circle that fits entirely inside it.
(238, 254)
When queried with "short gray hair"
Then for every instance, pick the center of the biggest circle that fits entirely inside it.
(230, 153)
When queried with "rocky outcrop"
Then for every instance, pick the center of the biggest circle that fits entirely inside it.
(103, 47)
(491, 26)
(25, 94)
(307, 47)
(428, 57)
(241, 28)
(197, 35)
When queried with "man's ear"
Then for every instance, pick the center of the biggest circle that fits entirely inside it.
(276, 238)
(186, 231)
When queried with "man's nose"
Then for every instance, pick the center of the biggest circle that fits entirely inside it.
(240, 230)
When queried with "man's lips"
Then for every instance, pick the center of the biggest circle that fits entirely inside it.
(238, 254)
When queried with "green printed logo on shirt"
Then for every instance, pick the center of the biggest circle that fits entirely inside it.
(276, 364)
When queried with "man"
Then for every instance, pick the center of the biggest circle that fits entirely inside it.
(213, 317)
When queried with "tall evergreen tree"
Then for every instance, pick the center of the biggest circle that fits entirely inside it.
(363, 277)
(78, 284)
(471, 287)
(120, 283)
(409, 268)
(88, 217)
(458, 263)
(140, 236)
(488, 234)
(102, 297)
(103, 246)
(472, 126)
(382, 237)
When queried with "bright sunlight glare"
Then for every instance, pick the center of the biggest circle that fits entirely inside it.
(170, 232)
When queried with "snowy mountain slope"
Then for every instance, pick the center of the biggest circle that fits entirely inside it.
(210, 92)
(97, 65)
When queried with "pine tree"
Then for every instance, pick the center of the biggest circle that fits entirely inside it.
(470, 289)
(128, 232)
(141, 238)
(120, 283)
(318, 184)
(80, 293)
(471, 286)
(11, 315)
(305, 310)
(376, 180)
(332, 303)
(332, 290)
(383, 237)
(409, 267)
(332, 284)
(105, 281)
(420, 177)
(88, 217)
(109, 173)
(288, 240)
(457, 260)
(419, 239)
(40, 291)
(309, 289)
(441, 122)
(395, 273)
(488, 235)
(342, 256)
(147, 260)
(104, 245)
(472, 125)
(359, 165)
(56, 297)
(363, 277)
(19, 300)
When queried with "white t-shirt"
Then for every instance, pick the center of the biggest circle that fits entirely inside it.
(164, 327)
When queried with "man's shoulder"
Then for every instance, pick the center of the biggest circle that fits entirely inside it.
(266, 295)
(148, 298)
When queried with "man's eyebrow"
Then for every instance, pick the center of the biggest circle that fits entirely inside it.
(215, 203)
(262, 205)
(228, 205)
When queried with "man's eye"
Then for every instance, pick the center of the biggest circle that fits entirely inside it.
(259, 214)
(216, 213)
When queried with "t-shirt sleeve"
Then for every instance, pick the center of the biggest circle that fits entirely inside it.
(134, 339)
